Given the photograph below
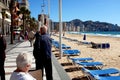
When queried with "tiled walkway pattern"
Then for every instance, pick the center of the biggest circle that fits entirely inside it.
(10, 62)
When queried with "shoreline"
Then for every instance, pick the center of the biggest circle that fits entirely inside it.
(109, 57)
(106, 34)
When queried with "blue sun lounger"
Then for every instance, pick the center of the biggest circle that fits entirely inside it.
(87, 59)
(57, 45)
(71, 52)
(80, 59)
(85, 64)
(109, 78)
(97, 65)
(65, 46)
(93, 74)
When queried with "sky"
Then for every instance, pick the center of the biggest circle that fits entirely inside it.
(95, 10)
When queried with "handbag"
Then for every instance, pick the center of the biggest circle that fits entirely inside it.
(37, 74)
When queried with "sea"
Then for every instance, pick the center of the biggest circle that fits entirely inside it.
(99, 33)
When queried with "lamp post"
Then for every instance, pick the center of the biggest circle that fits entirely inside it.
(42, 14)
(60, 27)
(49, 17)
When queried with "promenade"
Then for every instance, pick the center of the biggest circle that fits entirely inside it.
(12, 52)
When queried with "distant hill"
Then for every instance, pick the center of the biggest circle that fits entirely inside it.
(79, 25)
(91, 25)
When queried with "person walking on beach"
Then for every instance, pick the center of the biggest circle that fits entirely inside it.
(23, 61)
(84, 37)
(44, 54)
(2, 56)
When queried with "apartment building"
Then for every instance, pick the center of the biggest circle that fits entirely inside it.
(4, 7)
(24, 3)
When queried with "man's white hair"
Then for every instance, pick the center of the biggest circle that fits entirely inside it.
(23, 59)
(43, 29)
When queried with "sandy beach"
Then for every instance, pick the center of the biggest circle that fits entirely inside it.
(109, 57)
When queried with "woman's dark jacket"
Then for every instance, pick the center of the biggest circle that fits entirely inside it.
(2, 48)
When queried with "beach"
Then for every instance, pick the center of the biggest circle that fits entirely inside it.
(110, 57)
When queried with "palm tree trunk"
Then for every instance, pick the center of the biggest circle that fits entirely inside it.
(11, 6)
(23, 23)
(11, 29)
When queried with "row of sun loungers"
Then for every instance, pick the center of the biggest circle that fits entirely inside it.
(86, 62)
(75, 40)
(66, 49)
(92, 69)
(93, 44)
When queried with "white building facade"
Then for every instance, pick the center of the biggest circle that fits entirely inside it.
(4, 5)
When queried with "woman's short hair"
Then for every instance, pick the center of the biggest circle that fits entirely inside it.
(23, 59)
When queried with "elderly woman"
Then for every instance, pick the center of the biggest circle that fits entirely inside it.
(2, 56)
(23, 61)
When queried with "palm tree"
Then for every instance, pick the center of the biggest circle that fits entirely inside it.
(25, 13)
(33, 23)
(27, 22)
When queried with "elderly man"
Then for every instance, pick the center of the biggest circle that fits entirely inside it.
(44, 53)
